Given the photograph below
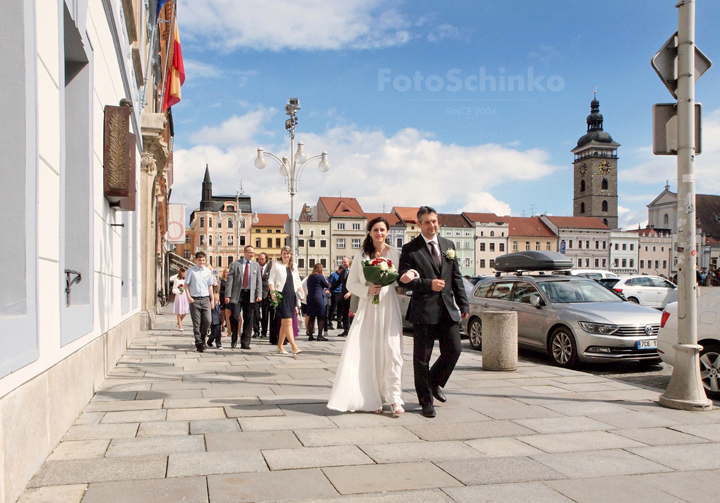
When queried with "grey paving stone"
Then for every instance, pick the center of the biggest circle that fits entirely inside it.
(546, 390)
(634, 420)
(499, 470)
(167, 386)
(563, 424)
(659, 436)
(90, 418)
(312, 409)
(187, 490)
(155, 445)
(390, 477)
(110, 395)
(423, 496)
(195, 414)
(355, 436)
(123, 405)
(535, 492)
(611, 490)
(698, 487)
(202, 426)
(363, 420)
(706, 431)
(192, 403)
(579, 441)
(502, 447)
(315, 457)
(235, 391)
(293, 398)
(468, 431)
(285, 423)
(175, 393)
(583, 408)
(83, 471)
(187, 464)
(580, 465)
(253, 411)
(270, 486)
(419, 451)
(134, 416)
(80, 449)
(253, 440)
(683, 457)
(55, 494)
(164, 428)
(99, 431)
(513, 410)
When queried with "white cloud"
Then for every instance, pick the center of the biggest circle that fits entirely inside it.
(281, 24)
(445, 31)
(196, 70)
(407, 168)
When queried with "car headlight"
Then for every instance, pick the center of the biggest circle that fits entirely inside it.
(598, 328)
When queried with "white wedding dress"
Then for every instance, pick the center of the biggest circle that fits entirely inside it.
(370, 370)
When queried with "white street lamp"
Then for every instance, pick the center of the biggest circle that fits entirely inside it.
(291, 168)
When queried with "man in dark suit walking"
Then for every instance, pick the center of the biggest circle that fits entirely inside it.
(243, 290)
(262, 310)
(428, 266)
(344, 304)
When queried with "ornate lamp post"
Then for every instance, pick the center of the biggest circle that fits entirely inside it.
(292, 168)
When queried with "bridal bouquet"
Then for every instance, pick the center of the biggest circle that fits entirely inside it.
(379, 271)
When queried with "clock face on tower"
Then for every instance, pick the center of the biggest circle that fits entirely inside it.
(583, 168)
(604, 167)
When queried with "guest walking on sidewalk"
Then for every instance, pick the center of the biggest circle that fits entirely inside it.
(286, 280)
(181, 307)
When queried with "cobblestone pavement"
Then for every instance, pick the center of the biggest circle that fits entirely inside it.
(170, 424)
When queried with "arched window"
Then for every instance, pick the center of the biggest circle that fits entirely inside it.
(604, 184)
(666, 219)
(492, 233)
(582, 186)
(230, 207)
(605, 221)
(604, 206)
(582, 207)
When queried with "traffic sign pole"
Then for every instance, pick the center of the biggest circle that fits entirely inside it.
(685, 390)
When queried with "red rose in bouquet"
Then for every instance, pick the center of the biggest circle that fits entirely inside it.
(380, 271)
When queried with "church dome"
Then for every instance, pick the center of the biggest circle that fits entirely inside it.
(595, 130)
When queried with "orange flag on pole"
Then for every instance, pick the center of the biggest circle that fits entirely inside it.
(176, 73)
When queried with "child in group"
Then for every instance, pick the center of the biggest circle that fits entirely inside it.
(217, 324)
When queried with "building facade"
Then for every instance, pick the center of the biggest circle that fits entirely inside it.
(655, 252)
(491, 240)
(461, 232)
(396, 232)
(408, 216)
(595, 172)
(585, 240)
(268, 234)
(624, 252)
(347, 225)
(80, 221)
(529, 233)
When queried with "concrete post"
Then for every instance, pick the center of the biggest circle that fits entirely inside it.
(499, 340)
(685, 390)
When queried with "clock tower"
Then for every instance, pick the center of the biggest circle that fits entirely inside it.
(595, 172)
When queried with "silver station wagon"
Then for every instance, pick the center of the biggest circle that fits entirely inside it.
(570, 318)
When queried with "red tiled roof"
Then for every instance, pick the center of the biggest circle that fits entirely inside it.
(578, 223)
(407, 213)
(342, 207)
(527, 226)
(392, 218)
(650, 232)
(483, 218)
(271, 220)
(450, 220)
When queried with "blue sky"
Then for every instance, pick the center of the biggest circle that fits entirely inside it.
(393, 90)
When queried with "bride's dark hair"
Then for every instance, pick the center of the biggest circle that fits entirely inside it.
(368, 246)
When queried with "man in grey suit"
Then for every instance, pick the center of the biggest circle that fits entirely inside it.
(243, 289)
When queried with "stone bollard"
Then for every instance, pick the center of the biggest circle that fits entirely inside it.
(499, 340)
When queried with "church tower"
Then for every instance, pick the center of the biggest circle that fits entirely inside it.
(595, 171)
(207, 195)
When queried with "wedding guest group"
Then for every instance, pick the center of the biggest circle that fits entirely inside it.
(243, 290)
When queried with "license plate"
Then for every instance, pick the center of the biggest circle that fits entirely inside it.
(647, 344)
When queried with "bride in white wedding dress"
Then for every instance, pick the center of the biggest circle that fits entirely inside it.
(370, 370)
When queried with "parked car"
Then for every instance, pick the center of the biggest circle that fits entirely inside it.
(572, 319)
(708, 334)
(595, 274)
(404, 298)
(650, 291)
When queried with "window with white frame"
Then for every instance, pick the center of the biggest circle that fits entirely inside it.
(356, 243)
(341, 226)
(340, 243)
(356, 227)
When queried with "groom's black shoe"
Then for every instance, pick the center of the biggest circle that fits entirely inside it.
(428, 410)
(438, 394)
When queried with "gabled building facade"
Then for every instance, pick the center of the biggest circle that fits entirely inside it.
(313, 242)
(491, 240)
(347, 225)
(585, 240)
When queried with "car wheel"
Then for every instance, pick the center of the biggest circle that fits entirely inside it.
(710, 369)
(562, 348)
(475, 333)
(633, 300)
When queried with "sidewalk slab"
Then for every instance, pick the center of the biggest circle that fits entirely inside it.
(580, 441)
(601, 463)
(253, 440)
(80, 449)
(392, 477)
(270, 486)
(187, 490)
(420, 451)
(100, 431)
(499, 470)
(54, 494)
(315, 457)
(128, 447)
(188, 464)
(683, 457)
(612, 490)
(83, 471)
(356, 436)
(535, 492)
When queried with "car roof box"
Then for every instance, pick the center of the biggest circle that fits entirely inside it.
(533, 261)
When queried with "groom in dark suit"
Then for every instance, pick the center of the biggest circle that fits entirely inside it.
(429, 268)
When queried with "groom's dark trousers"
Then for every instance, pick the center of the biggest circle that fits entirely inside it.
(447, 332)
